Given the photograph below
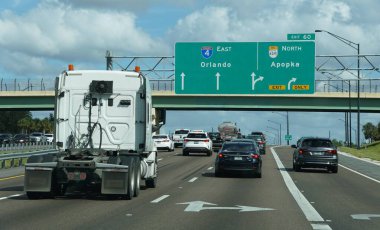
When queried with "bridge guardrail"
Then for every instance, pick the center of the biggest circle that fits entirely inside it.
(12, 160)
(367, 85)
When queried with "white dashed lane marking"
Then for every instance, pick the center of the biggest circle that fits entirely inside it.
(159, 199)
(193, 179)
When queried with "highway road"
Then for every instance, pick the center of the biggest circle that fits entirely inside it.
(188, 196)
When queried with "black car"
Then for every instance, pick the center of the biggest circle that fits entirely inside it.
(21, 138)
(217, 141)
(6, 138)
(260, 141)
(235, 156)
(315, 152)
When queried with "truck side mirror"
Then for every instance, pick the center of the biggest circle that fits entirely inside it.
(161, 115)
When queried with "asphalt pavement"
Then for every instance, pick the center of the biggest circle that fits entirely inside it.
(189, 196)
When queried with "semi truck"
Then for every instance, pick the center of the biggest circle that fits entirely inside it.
(228, 131)
(103, 134)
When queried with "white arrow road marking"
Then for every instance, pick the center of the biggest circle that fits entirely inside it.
(364, 216)
(253, 75)
(196, 206)
(320, 227)
(292, 80)
(210, 168)
(217, 80)
(183, 80)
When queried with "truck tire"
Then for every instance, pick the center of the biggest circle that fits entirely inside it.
(33, 195)
(137, 178)
(151, 182)
(129, 161)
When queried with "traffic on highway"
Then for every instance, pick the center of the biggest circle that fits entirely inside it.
(192, 193)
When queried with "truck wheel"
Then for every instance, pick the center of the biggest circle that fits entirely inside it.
(131, 178)
(185, 153)
(151, 182)
(137, 179)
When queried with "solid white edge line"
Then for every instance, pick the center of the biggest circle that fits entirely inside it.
(160, 159)
(308, 210)
(7, 197)
(193, 179)
(361, 174)
(159, 199)
(210, 168)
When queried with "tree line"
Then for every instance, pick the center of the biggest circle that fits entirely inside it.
(23, 122)
(371, 131)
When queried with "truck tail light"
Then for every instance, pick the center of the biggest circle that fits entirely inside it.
(301, 151)
(220, 155)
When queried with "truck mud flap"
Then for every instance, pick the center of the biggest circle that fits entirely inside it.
(114, 181)
(38, 179)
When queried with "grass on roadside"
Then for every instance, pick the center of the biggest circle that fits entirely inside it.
(372, 151)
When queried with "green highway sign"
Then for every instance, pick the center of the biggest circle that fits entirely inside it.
(288, 137)
(307, 37)
(245, 67)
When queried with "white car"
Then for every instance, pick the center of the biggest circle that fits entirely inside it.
(197, 142)
(37, 137)
(179, 135)
(49, 137)
(163, 141)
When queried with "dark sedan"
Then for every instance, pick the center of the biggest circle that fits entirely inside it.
(216, 140)
(315, 153)
(238, 157)
(21, 138)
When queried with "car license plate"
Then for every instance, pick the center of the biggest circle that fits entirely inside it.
(196, 142)
(238, 158)
(318, 153)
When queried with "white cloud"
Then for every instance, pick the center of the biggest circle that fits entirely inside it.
(56, 32)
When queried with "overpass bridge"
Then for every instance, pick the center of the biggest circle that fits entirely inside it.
(320, 101)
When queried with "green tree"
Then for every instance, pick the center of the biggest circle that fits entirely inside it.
(370, 131)
(9, 120)
(25, 124)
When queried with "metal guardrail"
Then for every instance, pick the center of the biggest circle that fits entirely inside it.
(11, 160)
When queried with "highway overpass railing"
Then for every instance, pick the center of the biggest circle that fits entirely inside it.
(321, 85)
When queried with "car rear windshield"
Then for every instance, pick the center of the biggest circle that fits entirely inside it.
(182, 131)
(214, 135)
(254, 137)
(160, 137)
(317, 143)
(196, 135)
(236, 147)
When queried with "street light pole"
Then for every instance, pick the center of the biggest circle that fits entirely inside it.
(357, 48)
(280, 128)
(278, 133)
(287, 124)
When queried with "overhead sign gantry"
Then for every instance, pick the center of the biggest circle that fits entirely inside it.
(244, 67)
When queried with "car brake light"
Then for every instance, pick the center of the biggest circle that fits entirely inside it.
(220, 155)
(185, 140)
(301, 151)
(332, 151)
(207, 140)
(255, 156)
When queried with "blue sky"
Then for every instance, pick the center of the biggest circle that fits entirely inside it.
(39, 38)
